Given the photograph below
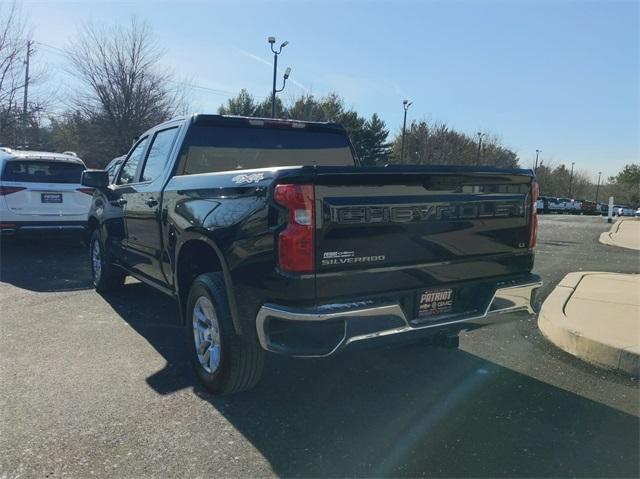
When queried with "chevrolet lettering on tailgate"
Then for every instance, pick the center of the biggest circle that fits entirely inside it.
(427, 212)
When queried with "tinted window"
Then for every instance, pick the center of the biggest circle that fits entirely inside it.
(128, 170)
(158, 154)
(210, 148)
(42, 172)
(112, 168)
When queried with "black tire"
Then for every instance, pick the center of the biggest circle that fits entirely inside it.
(109, 277)
(241, 362)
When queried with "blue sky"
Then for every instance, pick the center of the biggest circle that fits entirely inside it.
(559, 76)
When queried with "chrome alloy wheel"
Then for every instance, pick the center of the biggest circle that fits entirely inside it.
(96, 261)
(206, 334)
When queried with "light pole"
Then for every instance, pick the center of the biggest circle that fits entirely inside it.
(598, 187)
(536, 167)
(480, 135)
(405, 104)
(272, 41)
(571, 180)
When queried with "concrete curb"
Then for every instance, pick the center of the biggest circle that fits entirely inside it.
(609, 237)
(563, 332)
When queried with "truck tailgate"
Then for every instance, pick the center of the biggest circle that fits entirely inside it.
(415, 228)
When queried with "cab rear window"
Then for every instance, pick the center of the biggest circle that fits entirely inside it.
(211, 148)
(42, 172)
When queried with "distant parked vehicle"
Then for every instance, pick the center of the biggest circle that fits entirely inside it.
(542, 205)
(623, 210)
(573, 207)
(114, 167)
(41, 191)
(603, 209)
(589, 208)
(637, 213)
(556, 205)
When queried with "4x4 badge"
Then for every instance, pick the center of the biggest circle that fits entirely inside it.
(252, 178)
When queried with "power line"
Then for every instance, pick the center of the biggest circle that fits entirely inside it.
(60, 51)
(209, 89)
(196, 86)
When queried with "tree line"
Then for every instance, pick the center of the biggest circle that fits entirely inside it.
(123, 89)
(424, 143)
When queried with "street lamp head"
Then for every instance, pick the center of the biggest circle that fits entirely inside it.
(287, 72)
(272, 40)
(284, 44)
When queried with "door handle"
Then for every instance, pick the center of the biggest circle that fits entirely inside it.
(151, 202)
(119, 202)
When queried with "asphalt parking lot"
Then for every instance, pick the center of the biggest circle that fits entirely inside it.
(99, 386)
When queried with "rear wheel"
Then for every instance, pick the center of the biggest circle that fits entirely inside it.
(105, 276)
(224, 362)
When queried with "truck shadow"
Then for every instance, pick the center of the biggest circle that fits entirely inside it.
(45, 264)
(400, 411)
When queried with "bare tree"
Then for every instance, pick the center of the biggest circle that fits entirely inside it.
(125, 90)
(429, 143)
(15, 41)
(12, 51)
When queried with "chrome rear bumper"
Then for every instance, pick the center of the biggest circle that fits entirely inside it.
(506, 299)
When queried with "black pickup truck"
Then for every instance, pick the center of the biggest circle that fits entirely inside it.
(271, 237)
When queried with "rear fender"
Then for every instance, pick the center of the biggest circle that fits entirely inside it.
(190, 236)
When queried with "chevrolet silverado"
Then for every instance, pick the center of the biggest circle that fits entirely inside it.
(272, 237)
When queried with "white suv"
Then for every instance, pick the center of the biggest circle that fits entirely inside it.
(42, 191)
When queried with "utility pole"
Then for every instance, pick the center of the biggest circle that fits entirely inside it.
(480, 135)
(571, 180)
(26, 96)
(536, 167)
(405, 104)
(598, 187)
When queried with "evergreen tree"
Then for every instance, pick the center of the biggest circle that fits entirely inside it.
(375, 149)
(244, 104)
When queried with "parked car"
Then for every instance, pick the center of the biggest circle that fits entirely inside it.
(41, 191)
(272, 239)
(542, 205)
(571, 206)
(623, 210)
(588, 208)
(114, 167)
(603, 209)
(557, 205)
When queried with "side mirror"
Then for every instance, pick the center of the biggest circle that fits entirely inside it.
(98, 179)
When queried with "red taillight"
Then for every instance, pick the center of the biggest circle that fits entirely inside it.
(86, 191)
(296, 242)
(533, 232)
(7, 190)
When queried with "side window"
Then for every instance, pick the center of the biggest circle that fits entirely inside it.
(128, 170)
(158, 154)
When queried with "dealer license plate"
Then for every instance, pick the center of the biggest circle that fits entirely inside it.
(51, 197)
(434, 302)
